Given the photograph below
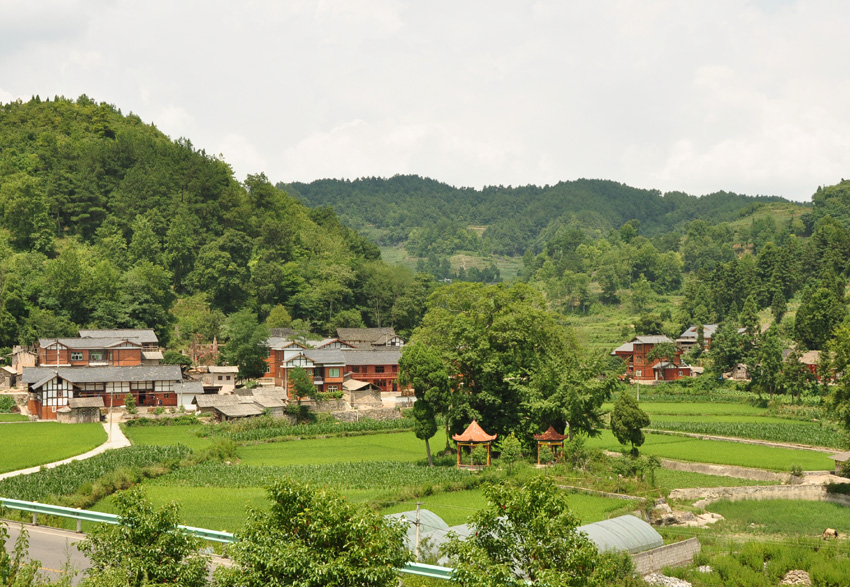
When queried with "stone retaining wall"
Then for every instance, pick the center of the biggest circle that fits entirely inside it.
(372, 414)
(727, 471)
(669, 555)
(709, 495)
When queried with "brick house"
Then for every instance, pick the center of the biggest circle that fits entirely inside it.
(642, 369)
(51, 388)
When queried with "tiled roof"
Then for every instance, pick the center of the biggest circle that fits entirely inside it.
(373, 357)
(325, 356)
(374, 335)
(145, 335)
(102, 374)
(86, 402)
(551, 435)
(88, 343)
(652, 339)
(624, 348)
(474, 433)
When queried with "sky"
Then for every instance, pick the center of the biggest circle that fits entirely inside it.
(747, 96)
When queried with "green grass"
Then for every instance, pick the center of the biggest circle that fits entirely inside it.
(671, 479)
(13, 418)
(162, 435)
(782, 517)
(456, 506)
(38, 443)
(399, 446)
(721, 453)
(697, 409)
(214, 508)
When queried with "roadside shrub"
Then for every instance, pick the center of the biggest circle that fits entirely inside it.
(184, 420)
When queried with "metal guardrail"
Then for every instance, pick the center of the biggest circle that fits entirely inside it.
(102, 517)
(36, 508)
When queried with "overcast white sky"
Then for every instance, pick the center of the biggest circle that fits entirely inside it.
(751, 96)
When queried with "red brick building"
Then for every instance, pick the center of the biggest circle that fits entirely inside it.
(639, 367)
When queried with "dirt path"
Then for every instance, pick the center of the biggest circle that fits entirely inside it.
(745, 440)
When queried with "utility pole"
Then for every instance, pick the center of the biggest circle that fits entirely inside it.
(418, 503)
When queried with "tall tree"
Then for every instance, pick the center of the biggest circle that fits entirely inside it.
(627, 419)
(421, 368)
(245, 345)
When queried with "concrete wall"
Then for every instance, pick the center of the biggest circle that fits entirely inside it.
(726, 471)
(669, 555)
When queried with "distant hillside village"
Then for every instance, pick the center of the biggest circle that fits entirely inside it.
(76, 379)
(651, 359)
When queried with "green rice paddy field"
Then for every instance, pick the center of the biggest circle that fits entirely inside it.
(721, 453)
(30, 444)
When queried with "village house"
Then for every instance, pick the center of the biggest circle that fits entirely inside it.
(215, 379)
(51, 388)
(368, 338)
(640, 368)
(329, 361)
(101, 348)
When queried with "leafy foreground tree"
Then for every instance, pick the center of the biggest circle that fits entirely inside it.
(527, 536)
(627, 419)
(313, 537)
(16, 569)
(145, 548)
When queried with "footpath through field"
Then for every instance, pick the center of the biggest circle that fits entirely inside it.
(117, 440)
(771, 443)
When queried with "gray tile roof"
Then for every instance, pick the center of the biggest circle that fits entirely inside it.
(325, 356)
(86, 402)
(374, 357)
(652, 339)
(145, 335)
(373, 335)
(103, 374)
(88, 343)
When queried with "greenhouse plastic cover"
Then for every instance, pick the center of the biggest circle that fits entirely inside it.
(625, 533)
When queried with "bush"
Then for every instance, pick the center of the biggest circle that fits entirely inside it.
(184, 420)
(7, 404)
(130, 404)
(479, 455)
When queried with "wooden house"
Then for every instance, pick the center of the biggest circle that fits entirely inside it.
(80, 410)
(51, 388)
(8, 378)
(378, 367)
(89, 352)
(640, 368)
(23, 357)
(368, 338)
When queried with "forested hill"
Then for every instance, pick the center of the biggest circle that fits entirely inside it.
(516, 218)
(106, 222)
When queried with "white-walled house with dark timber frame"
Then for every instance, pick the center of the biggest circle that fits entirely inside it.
(51, 388)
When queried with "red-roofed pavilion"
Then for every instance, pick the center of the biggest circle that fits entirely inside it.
(471, 437)
(550, 438)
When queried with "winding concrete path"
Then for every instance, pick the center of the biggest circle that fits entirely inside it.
(118, 440)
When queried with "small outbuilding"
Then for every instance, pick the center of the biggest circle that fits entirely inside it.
(80, 410)
(473, 436)
(553, 439)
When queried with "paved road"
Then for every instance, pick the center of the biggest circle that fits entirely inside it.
(52, 546)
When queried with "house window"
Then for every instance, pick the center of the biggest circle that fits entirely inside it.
(639, 373)
(268, 368)
(333, 387)
(227, 377)
(680, 373)
(639, 360)
(219, 377)
(333, 372)
(77, 356)
(96, 356)
(379, 369)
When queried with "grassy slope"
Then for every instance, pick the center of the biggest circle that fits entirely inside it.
(798, 517)
(161, 435)
(30, 444)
